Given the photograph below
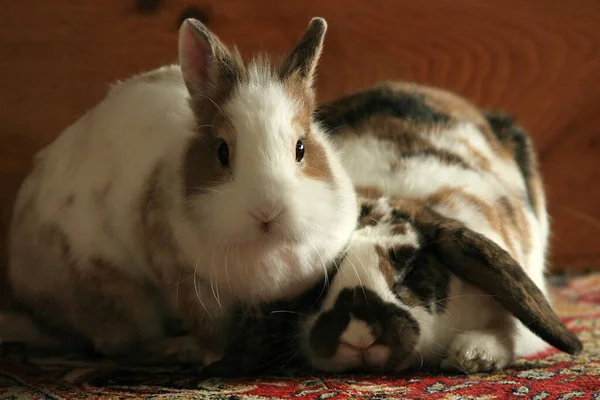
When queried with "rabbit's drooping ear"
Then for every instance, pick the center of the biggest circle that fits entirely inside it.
(479, 261)
(303, 58)
(203, 58)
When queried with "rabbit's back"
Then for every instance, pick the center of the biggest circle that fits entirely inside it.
(105, 159)
(413, 141)
(76, 233)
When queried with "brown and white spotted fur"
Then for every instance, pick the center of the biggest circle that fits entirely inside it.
(446, 267)
(185, 190)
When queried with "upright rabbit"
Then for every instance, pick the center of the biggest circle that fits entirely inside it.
(446, 267)
(185, 190)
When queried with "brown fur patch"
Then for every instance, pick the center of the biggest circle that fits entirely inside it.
(385, 266)
(202, 170)
(127, 311)
(110, 277)
(381, 101)
(369, 216)
(412, 210)
(400, 112)
(316, 164)
(515, 215)
(520, 146)
(69, 200)
(536, 191)
(304, 97)
(481, 161)
(156, 237)
(407, 297)
(404, 132)
(54, 237)
(457, 107)
(226, 73)
(448, 196)
(227, 70)
(407, 138)
(399, 229)
(101, 195)
(171, 270)
(91, 300)
(369, 192)
(538, 195)
(450, 103)
(395, 166)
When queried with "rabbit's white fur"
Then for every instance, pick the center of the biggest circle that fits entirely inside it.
(79, 214)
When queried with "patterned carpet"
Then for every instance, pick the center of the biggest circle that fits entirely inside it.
(546, 376)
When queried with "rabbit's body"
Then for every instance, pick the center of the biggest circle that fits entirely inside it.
(446, 266)
(441, 150)
(182, 192)
(109, 239)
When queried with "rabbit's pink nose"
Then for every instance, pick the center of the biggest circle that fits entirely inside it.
(266, 217)
(375, 355)
(358, 335)
(359, 342)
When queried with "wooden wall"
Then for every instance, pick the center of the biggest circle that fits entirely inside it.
(538, 59)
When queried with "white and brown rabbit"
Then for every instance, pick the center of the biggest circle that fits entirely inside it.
(446, 267)
(186, 189)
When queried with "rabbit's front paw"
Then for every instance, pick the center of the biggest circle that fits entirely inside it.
(184, 349)
(477, 351)
(176, 350)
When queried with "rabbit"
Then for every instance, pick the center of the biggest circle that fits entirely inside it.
(186, 190)
(445, 270)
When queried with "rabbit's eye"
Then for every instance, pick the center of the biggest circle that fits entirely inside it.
(299, 151)
(223, 153)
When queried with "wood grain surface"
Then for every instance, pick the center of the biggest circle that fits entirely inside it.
(538, 59)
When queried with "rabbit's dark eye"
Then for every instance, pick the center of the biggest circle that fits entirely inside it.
(299, 151)
(223, 153)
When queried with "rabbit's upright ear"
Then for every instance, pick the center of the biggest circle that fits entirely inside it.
(479, 261)
(304, 57)
(204, 59)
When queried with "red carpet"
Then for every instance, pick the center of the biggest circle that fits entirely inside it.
(546, 376)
